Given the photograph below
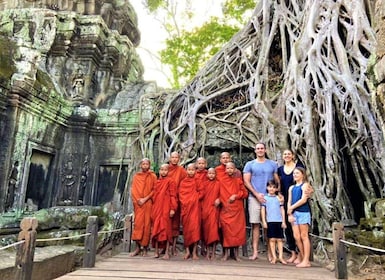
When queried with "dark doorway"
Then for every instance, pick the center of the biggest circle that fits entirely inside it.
(108, 179)
(38, 186)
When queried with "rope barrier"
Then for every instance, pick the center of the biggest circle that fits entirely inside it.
(63, 238)
(321, 237)
(363, 246)
(77, 236)
(12, 245)
(110, 231)
(350, 243)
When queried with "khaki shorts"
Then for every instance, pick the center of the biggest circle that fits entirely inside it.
(254, 210)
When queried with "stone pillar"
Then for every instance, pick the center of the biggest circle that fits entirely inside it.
(90, 7)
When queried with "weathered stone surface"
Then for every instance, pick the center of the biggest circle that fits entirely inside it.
(66, 217)
(64, 65)
(49, 262)
(380, 208)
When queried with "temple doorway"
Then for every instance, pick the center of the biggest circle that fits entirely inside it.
(38, 187)
(110, 177)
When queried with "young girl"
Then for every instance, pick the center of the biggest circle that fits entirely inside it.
(273, 219)
(298, 210)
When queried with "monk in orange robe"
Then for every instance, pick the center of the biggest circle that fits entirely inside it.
(177, 173)
(221, 174)
(210, 213)
(201, 171)
(163, 209)
(190, 193)
(141, 192)
(220, 170)
(232, 214)
(201, 174)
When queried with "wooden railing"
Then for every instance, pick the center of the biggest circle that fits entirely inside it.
(27, 240)
(340, 250)
(25, 246)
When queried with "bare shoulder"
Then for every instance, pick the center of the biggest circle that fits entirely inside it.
(308, 189)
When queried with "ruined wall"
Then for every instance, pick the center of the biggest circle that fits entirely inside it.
(63, 64)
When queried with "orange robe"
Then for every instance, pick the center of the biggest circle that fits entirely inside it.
(201, 175)
(220, 171)
(232, 215)
(190, 193)
(210, 213)
(177, 173)
(142, 186)
(164, 200)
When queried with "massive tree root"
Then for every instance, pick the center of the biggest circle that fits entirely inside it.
(296, 76)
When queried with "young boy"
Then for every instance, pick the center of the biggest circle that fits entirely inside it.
(201, 175)
(163, 209)
(201, 171)
(273, 219)
(177, 173)
(210, 213)
(141, 193)
(189, 195)
(232, 214)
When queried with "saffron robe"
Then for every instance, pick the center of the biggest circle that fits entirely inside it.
(190, 193)
(142, 186)
(232, 215)
(164, 200)
(177, 173)
(220, 171)
(201, 175)
(210, 213)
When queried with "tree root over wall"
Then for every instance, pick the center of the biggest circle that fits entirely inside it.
(296, 76)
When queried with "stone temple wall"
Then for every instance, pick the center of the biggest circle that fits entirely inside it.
(65, 134)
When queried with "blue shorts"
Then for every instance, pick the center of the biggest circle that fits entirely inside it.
(301, 218)
(275, 230)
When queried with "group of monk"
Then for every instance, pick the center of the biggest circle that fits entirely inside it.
(207, 205)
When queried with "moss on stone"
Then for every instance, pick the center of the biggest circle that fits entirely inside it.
(7, 67)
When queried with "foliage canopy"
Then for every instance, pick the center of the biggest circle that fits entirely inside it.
(186, 50)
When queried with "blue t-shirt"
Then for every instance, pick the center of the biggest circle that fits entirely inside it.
(273, 209)
(296, 194)
(261, 173)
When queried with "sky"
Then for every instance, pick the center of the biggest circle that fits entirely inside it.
(153, 36)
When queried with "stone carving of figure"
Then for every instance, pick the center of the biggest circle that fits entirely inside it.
(83, 181)
(68, 180)
(78, 85)
(22, 33)
(12, 186)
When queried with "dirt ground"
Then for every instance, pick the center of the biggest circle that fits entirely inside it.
(372, 272)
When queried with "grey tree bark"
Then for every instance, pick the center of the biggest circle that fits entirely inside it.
(296, 76)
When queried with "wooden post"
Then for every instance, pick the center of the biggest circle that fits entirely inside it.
(341, 271)
(26, 251)
(90, 242)
(127, 233)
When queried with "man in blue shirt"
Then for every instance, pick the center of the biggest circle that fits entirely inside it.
(256, 175)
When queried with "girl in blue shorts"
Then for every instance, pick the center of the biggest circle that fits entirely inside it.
(298, 210)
